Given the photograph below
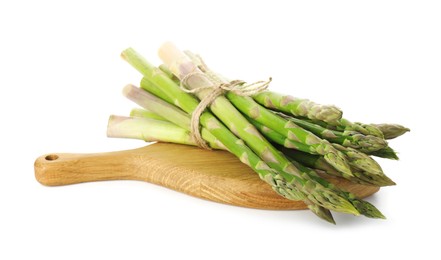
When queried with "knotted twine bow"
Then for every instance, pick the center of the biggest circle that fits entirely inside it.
(219, 87)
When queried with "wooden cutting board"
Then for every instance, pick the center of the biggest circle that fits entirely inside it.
(212, 175)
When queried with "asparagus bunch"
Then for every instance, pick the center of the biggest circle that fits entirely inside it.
(286, 150)
(287, 183)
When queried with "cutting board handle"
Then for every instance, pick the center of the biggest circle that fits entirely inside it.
(66, 168)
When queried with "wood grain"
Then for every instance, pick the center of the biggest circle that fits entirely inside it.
(212, 175)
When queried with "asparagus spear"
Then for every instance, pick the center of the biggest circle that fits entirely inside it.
(304, 108)
(280, 139)
(235, 145)
(157, 106)
(299, 107)
(169, 74)
(391, 131)
(365, 143)
(166, 71)
(344, 125)
(387, 153)
(360, 160)
(152, 130)
(366, 129)
(151, 87)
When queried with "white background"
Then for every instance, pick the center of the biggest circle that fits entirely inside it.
(61, 77)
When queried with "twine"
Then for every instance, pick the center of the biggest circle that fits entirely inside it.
(220, 87)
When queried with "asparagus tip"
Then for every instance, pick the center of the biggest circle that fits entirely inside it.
(391, 131)
(387, 153)
(343, 205)
(322, 213)
(338, 161)
(386, 181)
(367, 209)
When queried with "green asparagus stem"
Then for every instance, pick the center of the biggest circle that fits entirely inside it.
(280, 139)
(299, 107)
(365, 143)
(391, 131)
(151, 87)
(169, 74)
(180, 65)
(157, 106)
(166, 71)
(149, 130)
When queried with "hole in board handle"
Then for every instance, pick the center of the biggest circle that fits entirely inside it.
(51, 157)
